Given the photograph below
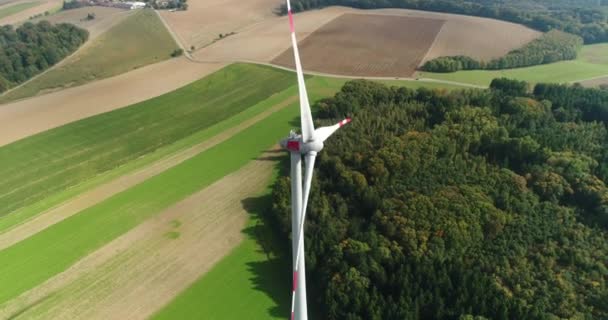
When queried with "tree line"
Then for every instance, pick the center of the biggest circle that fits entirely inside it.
(32, 48)
(551, 47)
(473, 204)
(584, 18)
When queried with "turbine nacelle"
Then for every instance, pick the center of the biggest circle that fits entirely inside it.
(295, 142)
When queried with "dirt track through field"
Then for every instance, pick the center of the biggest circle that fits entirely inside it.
(139, 272)
(104, 191)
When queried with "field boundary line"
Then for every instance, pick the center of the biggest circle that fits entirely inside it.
(106, 190)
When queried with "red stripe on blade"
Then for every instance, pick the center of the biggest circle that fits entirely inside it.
(291, 27)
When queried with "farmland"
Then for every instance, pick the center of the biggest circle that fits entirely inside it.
(26, 12)
(205, 20)
(34, 163)
(372, 42)
(11, 9)
(137, 41)
(159, 209)
(591, 63)
(264, 41)
(105, 18)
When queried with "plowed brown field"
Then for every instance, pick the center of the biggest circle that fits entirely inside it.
(367, 45)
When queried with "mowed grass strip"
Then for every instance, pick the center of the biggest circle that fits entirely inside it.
(252, 282)
(592, 62)
(34, 260)
(139, 40)
(16, 8)
(37, 167)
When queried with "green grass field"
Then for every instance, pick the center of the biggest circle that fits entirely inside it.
(139, 40)
(591, 63)
(16, 8)
(42, 165)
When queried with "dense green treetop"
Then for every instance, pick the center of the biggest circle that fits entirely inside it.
(32, 48)
(459, 205)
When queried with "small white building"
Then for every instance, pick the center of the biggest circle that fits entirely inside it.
(136, 5)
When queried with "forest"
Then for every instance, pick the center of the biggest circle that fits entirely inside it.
(472, 204)
(551, 47)
(32, 48)
(581, 17)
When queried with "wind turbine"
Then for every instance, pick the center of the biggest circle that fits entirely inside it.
(307, 144)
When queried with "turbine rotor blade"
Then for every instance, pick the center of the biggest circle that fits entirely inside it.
(299, 248)
(323, 133)
(308, 127)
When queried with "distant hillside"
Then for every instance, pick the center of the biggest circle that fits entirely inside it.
(584, 18)
(487, 204)
(33, 48)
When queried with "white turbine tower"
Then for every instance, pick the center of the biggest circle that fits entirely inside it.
(308, 144)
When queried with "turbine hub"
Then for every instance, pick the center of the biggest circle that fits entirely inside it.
(294, 143)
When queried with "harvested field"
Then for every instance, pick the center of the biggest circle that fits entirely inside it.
(43, 6)
(139, 272)
(367, 45)
(105, 18)
(206, 19)
(262, 41)
(479, 38)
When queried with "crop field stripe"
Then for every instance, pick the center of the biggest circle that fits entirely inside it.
(69, 208)
(16, 8)
(24, 214)
(138, 272)
(34, 260)
(60, 158)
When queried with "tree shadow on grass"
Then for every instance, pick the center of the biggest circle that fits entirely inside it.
(272, 275)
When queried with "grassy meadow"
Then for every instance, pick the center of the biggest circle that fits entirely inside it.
(137, 41)
(16, 8)
(591, 63)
